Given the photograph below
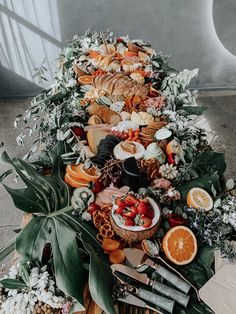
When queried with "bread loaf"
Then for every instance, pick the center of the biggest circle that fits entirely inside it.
(106, 114)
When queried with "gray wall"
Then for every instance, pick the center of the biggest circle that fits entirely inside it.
(197, 33)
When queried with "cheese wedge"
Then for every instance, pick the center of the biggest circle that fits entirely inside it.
(94, 136)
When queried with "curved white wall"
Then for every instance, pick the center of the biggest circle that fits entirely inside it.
(184, 29)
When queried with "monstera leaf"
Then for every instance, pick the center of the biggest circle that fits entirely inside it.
(48, 198)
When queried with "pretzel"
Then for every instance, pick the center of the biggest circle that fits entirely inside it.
(101, 220)
(106, 230)
(99, 237)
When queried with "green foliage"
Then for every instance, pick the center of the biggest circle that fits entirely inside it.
(49, 197)
(7, 249)
(9, 283)
(209, 162)
(100, 282)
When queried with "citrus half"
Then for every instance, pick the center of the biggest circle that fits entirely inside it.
(199, 198)
(180, 245)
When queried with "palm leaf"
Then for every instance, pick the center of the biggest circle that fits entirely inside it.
(67, 260)
(7, 249)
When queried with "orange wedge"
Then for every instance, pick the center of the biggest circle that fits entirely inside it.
(199, 198)
(180, 245)
(127, 53)
(94, 54)
(75, 183)
(71, 170)
(91, 174)
(85, 79)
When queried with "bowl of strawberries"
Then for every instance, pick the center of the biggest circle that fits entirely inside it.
(135, 218)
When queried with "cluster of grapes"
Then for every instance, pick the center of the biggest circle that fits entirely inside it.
(43, 308)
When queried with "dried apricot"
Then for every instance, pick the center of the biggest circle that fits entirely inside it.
(117, 256)
(110, 245)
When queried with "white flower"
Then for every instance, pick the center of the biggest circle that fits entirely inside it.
(13, 272)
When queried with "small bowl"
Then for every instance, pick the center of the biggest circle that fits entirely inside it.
(137, 233)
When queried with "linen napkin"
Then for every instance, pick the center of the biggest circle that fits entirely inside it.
(219, 292)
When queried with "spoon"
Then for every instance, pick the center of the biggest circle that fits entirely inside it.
(153, 250)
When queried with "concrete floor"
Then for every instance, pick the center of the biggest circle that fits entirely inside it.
(219, 121)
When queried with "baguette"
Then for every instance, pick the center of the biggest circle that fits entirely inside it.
(106, 114)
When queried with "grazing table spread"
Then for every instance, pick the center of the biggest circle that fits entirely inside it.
(129, 209)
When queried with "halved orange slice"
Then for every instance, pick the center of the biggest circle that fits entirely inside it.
(180, 245)
(75, 183)
(199, 198)
(85, 79)
(94, 54)
(71, 170)
(127, 53)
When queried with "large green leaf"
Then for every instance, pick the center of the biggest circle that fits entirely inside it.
(86, 233)
(26, 200)
(66, 257)
(42, 194)
(209, 162)
(7, 249)
(100, 282)
(58, 173)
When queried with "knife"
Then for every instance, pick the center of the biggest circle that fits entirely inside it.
(153, 298)
(132, 300)
(137, 257)
(171, 293)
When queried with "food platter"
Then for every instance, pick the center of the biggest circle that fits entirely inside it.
(117, 175)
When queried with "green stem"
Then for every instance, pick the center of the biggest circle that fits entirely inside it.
(61, 211)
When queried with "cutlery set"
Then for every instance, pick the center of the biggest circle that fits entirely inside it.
(146, 295)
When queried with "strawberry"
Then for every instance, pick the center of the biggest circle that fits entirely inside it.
(119, 40)
(119, 210)
(97, 186)
(145, 209)
(78, 132)
(130, 212)
(92, 207)
(131, 200)
(128, 221)
(120, 202)
(146, 222)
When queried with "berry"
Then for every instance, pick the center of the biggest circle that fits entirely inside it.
(146, 222)
(78, 132)
(131, 200)
(128, 221)
(92, 207)
(175, 220)
(130, 212)
(97, 186)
